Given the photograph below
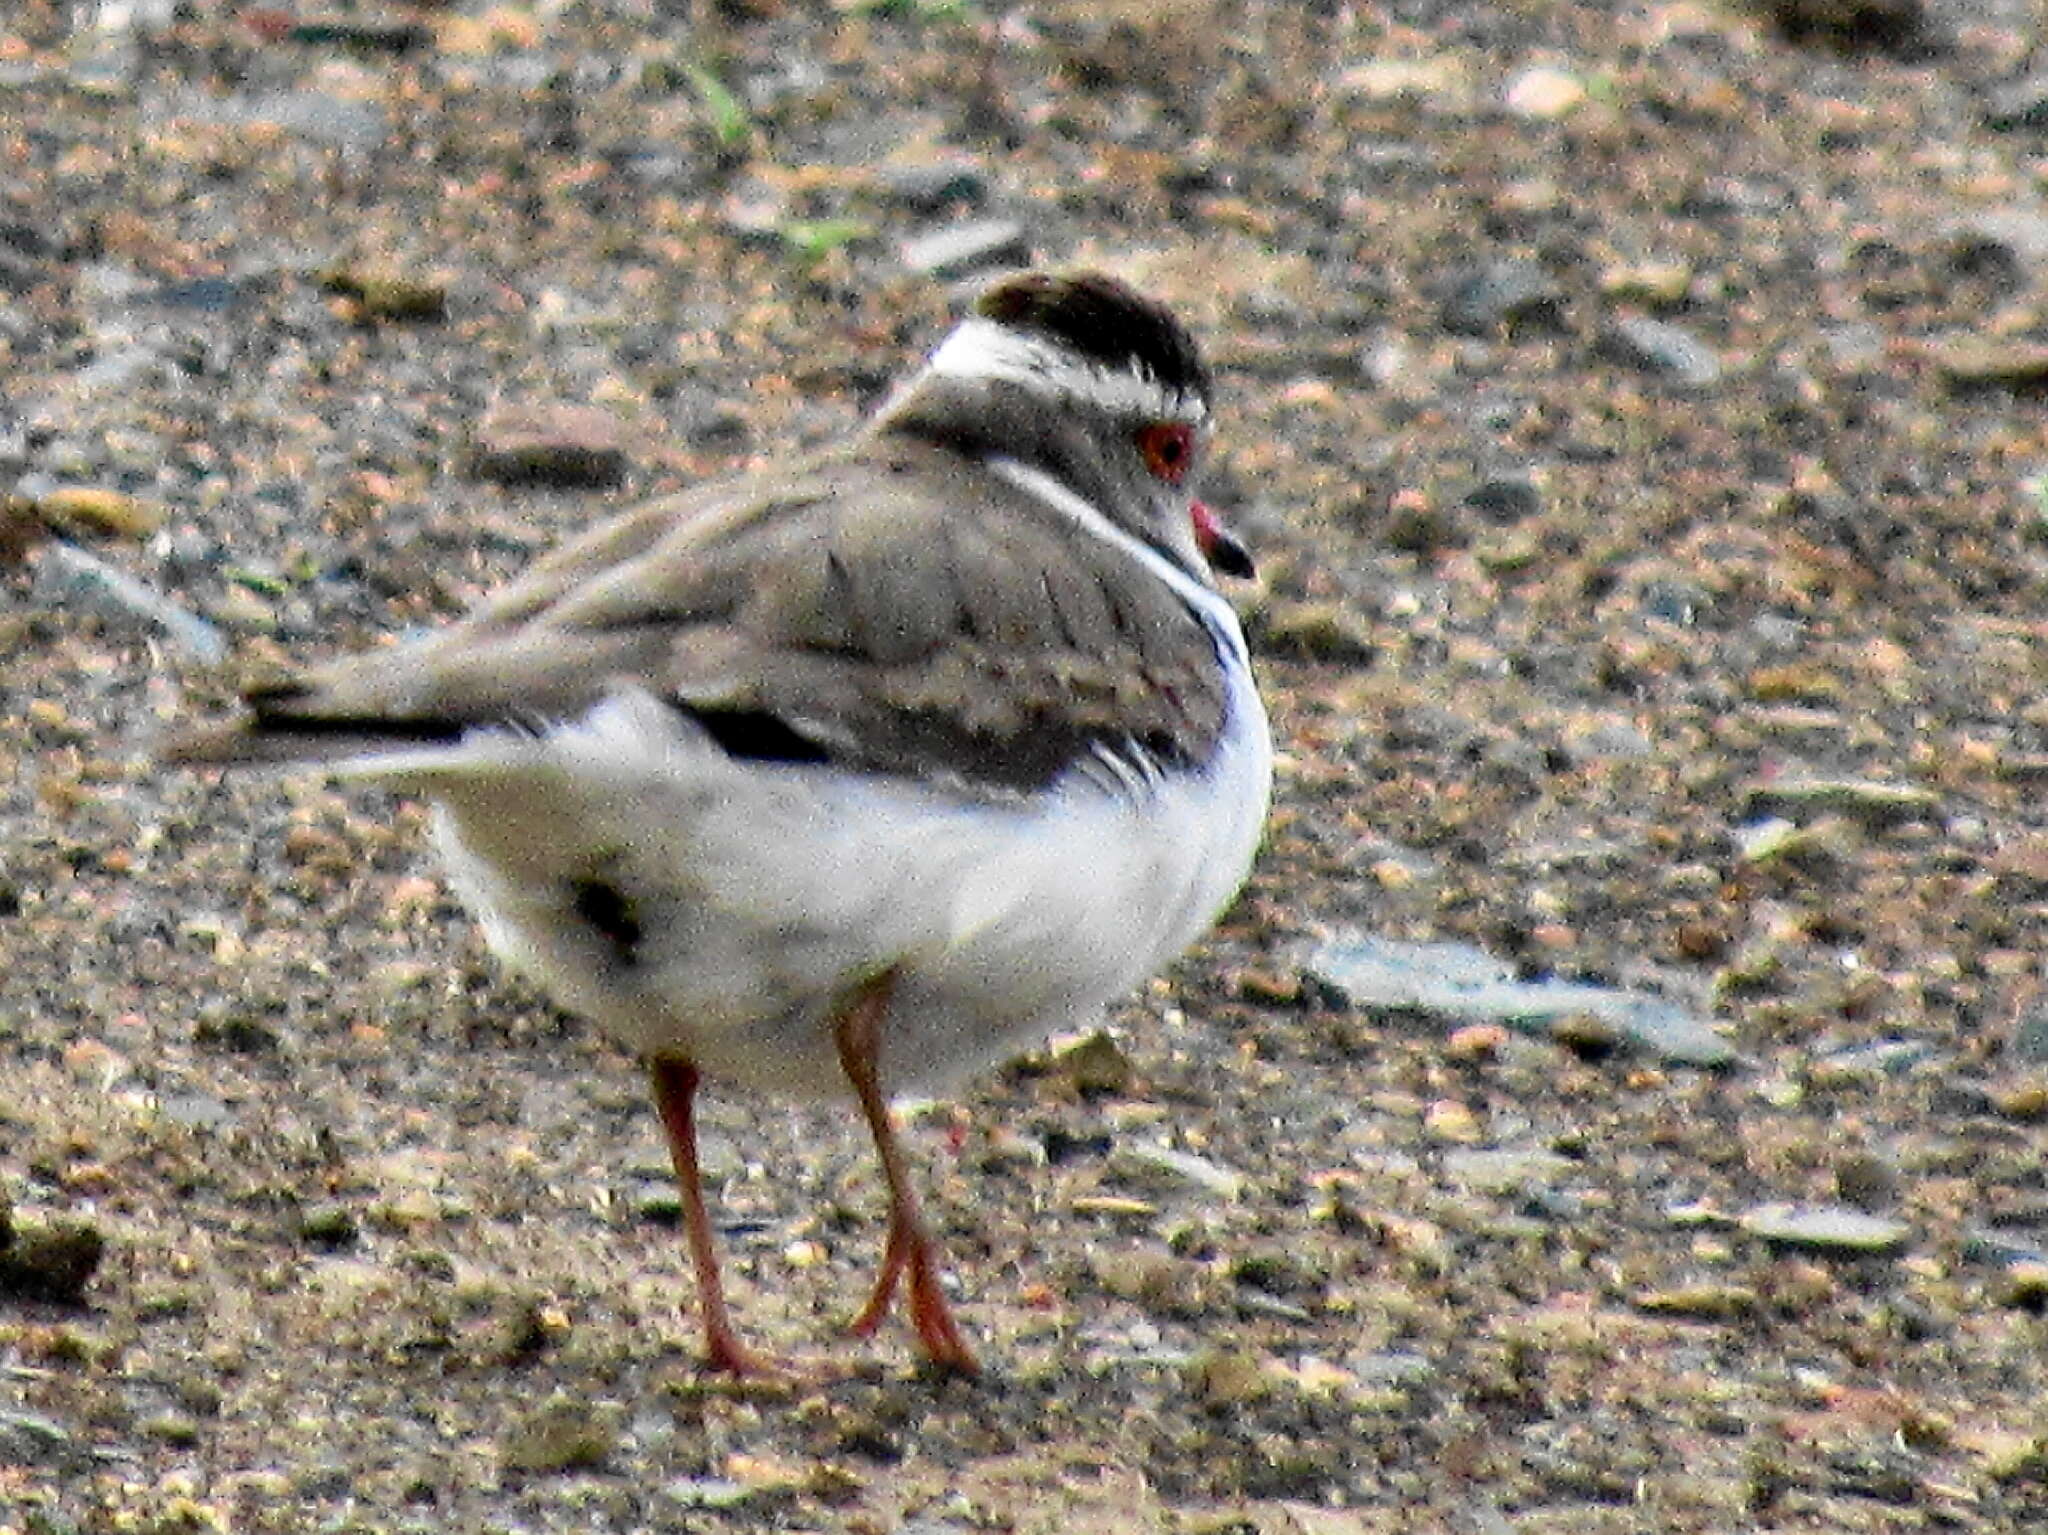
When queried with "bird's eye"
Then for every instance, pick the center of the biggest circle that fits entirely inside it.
(1168, 448)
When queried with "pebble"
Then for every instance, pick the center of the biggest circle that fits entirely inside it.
(1506, 497)
(1451, 1122)
(1995, 1244)
(329, 1225)
(30, 1439)
(1097, 1064)
(311, 115)
(1973, 363)
(2016, 235)
(1465, 985)
(387, 296)
(1505, 1171)
(1876, 25)
(2018, 104)
(1508, 296)
(1153, 1279)
(1315, 631)
(68, 576)
(1660, 347)
(933, 185)
(1826, 1228)
(50, 1260)
(562, 1434)
(1162, 1169)
(557, 445)
(1660, 284)
(1543, 93)
(1701, 1302)
(1444, 77)
(959, 250)
(2029, 1043)
(1872, 802)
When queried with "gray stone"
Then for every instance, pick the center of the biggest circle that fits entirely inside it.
(1826, 1228)
(29, 1439)
(2018, 104)
(2030, 1037)
(67, 576)
(930, 186)
(1460, 984)
(1503, 296)
(1660, 347)
(1161, 1169)
(1506, 497)
(1870, 801)
(956, 250)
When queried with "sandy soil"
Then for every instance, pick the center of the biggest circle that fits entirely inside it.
(1638, 417)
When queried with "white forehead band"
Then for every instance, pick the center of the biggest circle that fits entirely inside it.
(983, 348)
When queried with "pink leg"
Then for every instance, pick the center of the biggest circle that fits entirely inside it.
(675, 1088)
(910, 1251)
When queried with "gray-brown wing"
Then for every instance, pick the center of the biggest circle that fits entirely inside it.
(882, 607)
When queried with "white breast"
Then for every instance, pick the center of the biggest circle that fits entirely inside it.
(766, 892)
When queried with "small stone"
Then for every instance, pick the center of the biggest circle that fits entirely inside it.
(1506, 497)
(1415, 524)
(1154, 1279)
(1702, 1302)
(1316, 631)
(1450, 1121)
(371, 33)
(1225, 1378)
(1544, 93)
(931, 185)
(1267, 988)
(1506, 1171)
(330, 1225)
(51, 1260)
(29, 1439)
(1660, 347)
(1880, 26)
(1826, 1228)
(1507, 296)
(1660, 284)
(1467, 985)
(1162, 1170)
(1476, 1042)
(558, 445)
(2024, 1287)
(2024, 1102)
(1970, 364)
(81, 508)
(563, 1433)
(1097, 1064)
(2018, 104)
(1866, 1180)
(1871, 802)
(1587, 1034)
(1445, 77)
(387, 296)
(176, 1429)
(959, 250)
(2029, 1044)
(69, 575)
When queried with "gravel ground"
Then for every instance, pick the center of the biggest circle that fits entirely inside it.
(1638, 413)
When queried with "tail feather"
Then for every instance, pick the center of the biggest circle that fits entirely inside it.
(254, 738)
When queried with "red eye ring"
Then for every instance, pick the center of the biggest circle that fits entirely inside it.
(1168, 448)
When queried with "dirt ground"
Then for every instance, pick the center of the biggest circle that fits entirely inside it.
(1637, 412)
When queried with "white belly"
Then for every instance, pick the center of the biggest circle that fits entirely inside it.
(763, 894)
